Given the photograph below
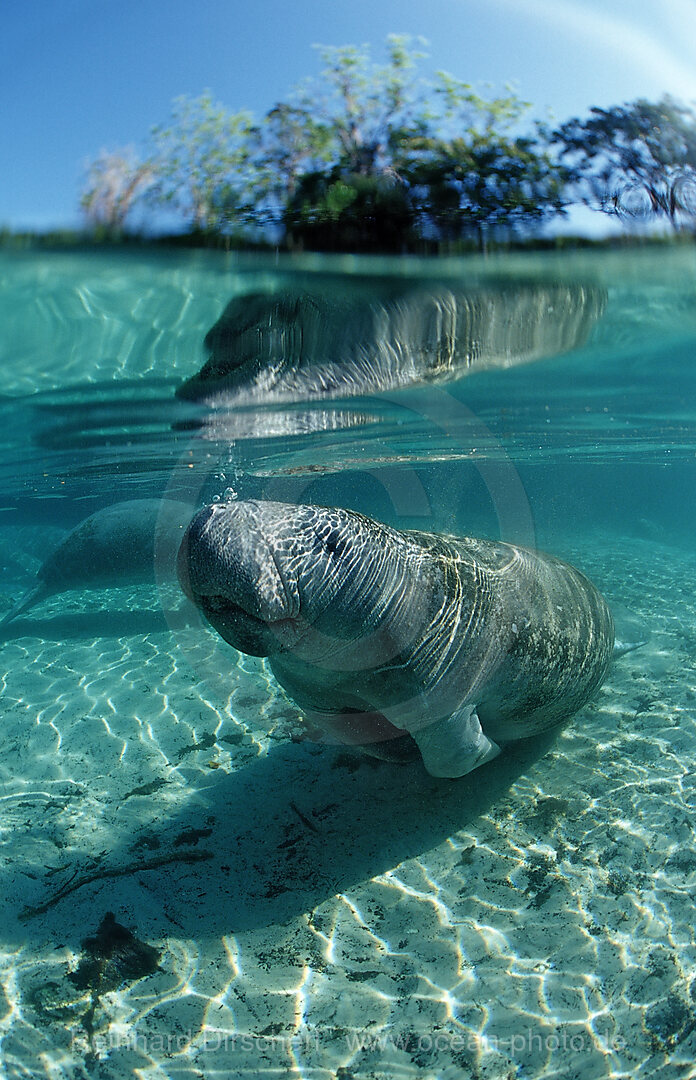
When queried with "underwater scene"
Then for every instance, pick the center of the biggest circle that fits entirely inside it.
(316, 761)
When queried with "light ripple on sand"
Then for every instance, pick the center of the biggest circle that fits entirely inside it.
(561, 911)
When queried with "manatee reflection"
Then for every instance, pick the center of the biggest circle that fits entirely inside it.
(295, 346)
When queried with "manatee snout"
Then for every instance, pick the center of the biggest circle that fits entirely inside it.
(226, 567)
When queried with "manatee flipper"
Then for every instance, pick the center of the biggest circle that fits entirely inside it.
(456, 745)
(630, 631)
(623, 647)
(352, 727)
(34, 596)
(370, 733)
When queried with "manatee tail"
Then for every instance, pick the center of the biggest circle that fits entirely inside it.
(28, 600)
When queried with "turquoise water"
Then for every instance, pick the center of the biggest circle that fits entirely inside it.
(317, 913)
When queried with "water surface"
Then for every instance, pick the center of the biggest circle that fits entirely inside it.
(316, 911)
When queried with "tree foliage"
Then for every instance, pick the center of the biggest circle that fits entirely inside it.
(373, 156)
(403, 159)
(338, 211)
(201, 161)
(364, 106)
(636, 160)
(472, 173)
(116, 180)
(292, 144)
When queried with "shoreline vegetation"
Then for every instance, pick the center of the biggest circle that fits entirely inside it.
(68, 240)
(375, 157)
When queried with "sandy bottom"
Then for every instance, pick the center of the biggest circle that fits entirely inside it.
(319, 914)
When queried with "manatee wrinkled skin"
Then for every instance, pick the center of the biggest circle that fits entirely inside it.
(464, 644)
(129, 542)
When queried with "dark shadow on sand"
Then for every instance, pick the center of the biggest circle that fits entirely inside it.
(286, 832)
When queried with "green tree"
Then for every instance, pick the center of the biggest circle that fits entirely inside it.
(350, 212)
(481, 187)
(366, 155)
(202, 163)
(636, 160)
(334, 149)
(364, 105)
(292, 143)
(471, 174)
(115, 181)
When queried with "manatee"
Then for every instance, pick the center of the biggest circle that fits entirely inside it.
(372, 336)
(129, 542)
(463, 644)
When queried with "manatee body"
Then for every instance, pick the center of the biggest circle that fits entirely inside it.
(129, 542)
(383, 333)
(464, 644)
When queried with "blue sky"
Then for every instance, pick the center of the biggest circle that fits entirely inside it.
(78, 76)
